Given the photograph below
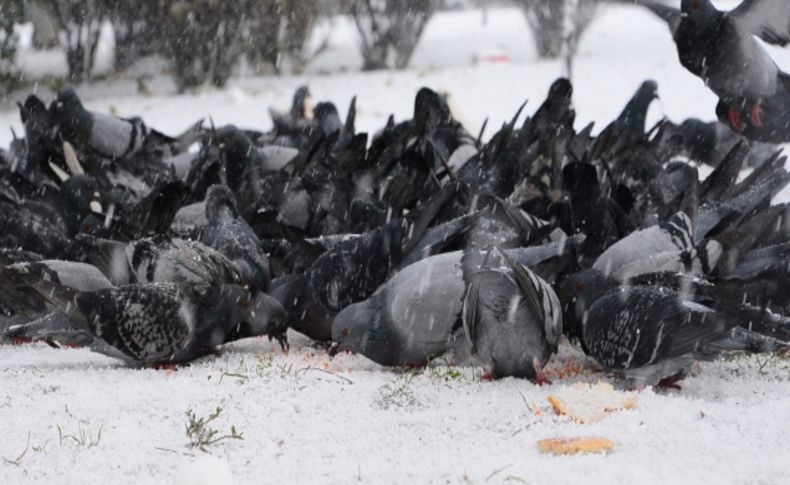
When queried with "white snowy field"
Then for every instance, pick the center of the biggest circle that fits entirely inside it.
(70, 416)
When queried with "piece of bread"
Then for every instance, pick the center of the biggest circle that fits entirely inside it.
(573, 446)
(587, 403)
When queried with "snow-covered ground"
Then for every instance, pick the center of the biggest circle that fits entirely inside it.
(70, 416)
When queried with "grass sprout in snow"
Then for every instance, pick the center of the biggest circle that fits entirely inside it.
(200, 433)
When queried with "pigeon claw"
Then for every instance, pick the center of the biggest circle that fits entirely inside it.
(734, 117)
(542, 380)
(756, 114)
(671, 382)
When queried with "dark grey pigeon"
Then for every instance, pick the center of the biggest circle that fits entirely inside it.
(156, 324)
(721, 49)
(650, 332)
(229, 234)
(163, 260)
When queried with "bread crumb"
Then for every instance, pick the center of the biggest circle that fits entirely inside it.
(573, 446)
(587, 403)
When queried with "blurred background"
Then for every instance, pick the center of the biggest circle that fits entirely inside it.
(175, 61)
(201, 42)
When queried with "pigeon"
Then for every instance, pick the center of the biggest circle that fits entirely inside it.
(163, 323)
(511, 316)
(629, 126)
(356, 266)
(710, 142)
(229, 234)
(593, 213)
(20, 305)
(242, 155)
(721, 48)
(647, 333)
(163, 260)
(41, 145)
(499, 314)
(103, 134)
(288, 126)
(667, 246)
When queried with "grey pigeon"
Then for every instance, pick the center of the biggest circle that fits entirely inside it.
(101, 133)
(721, 48)
(484, 308)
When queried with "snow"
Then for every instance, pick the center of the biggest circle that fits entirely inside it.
(308, 419)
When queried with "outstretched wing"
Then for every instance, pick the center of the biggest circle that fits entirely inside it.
(767, 19)
(670, 15)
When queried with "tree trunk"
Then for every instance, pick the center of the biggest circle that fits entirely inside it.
(45, 29)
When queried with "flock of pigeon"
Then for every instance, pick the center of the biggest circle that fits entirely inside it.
(419, 242)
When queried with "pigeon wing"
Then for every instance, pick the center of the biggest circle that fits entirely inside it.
(767, 19)
(147, 323)
(670, 15)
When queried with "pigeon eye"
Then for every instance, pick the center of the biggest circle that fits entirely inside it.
(345, 332)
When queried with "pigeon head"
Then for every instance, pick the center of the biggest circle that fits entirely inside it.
(238, 150)
(32, 110)
(430, 109)
(696, 9)
(220, 203)
(75, 121)
(302, 107)
(649, 89)
(255, 271)
(561, 89)
(327, 118)
(233, 141)
(255, 315)
(635, 113)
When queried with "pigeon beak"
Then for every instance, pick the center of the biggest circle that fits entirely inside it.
(308, 108)
(334, 349)
(684, 15)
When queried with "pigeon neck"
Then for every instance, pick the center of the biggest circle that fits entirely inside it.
(635, 113)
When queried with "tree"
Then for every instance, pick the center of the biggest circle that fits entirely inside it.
(390, 28)
(280, 29)
(203, 39)
(11, 12)
(45, 29)
(80, 23)
(556, 24)
(137, 29)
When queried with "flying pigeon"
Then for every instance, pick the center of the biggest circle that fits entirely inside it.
(721, 48)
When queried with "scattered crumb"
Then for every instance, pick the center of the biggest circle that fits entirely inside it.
(590, 403)
(574, 446)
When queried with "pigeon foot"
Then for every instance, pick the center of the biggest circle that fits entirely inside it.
(756, 114)
(542, 380)
(734, 117)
